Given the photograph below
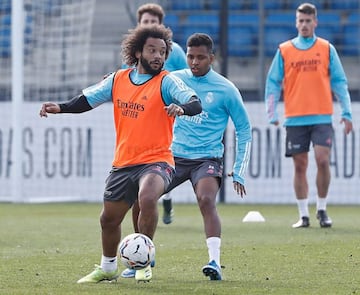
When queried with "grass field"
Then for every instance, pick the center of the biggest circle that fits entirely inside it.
(46, 248)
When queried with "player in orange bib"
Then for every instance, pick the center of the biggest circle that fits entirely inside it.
(146, 99)
(308, 70)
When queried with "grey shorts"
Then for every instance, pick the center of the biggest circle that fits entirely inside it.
(298, 138)
(123, 183)
(195, 169)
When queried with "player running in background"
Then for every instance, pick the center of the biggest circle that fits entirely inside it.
(309, 70)
(146, 99)
(197, 143)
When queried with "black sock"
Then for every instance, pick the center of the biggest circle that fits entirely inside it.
(167, 205)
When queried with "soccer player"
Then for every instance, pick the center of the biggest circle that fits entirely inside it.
(149, 14)
(197, 144)
(146, 100)
(308, 69)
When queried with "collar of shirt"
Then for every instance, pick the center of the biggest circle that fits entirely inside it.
(303, 42)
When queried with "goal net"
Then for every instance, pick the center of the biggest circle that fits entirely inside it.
(55, 59)
(57, 35)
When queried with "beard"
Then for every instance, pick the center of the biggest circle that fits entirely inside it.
(147, 67)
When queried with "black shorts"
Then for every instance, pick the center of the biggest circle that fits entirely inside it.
(123, 183)
(195, 169)
(298, 138)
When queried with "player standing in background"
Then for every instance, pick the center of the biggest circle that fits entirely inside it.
(309, 70)
(197, 143)
(149, 14)
(146, 99)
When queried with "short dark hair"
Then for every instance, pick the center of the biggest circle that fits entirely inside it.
(135, 40)
(307, 8)
(153, 9)
(199, 39)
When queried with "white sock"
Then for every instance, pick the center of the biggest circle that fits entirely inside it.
(321, 203)
(213, 244)
(108, 264)
(303, 208)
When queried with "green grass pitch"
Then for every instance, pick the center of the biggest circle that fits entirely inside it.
(46, 248)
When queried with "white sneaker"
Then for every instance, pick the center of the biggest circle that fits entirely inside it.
(143, 275)
(303, 222)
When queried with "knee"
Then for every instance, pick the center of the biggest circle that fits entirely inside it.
(323, 163)
(205, 202)
(108, 222)
(147, 201)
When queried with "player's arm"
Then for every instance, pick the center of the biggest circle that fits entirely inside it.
(339, 84)
(240, 118)
(179, 98)
(90, 98)
(191, 108)
(77, 104)
(273, 87)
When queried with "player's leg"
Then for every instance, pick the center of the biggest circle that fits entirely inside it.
(322, 155)
(168, 212)
(151, 188)
(111, 217)
(206, 178)
(135, 216)
(322, 137)
(119, 195)
(297, 145)
(130, 273)
(301, 188)
(206, 190)
(152, 184)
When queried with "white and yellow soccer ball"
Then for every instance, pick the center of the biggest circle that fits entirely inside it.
(136, 251)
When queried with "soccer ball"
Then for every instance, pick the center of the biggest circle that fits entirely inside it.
(136, 251)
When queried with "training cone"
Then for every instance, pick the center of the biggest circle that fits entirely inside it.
(253, 216)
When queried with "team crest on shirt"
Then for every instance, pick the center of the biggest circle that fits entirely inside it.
(209, 97)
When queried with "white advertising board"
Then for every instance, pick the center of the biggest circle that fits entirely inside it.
(67, 157)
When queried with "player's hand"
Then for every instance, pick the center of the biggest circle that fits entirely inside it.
(348, 125)
(238, 187)
(49, 107)
(174, 110)
(275, 123)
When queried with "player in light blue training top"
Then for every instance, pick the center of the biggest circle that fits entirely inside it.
(197, 145)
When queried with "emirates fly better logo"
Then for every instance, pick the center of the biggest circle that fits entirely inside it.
(130, 109)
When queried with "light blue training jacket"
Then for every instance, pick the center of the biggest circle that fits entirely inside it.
(201, 136)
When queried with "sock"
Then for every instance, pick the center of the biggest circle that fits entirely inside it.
(303, 208)
(321, 203)
(213, 244)
(167, 197)
(108, 264)
(167, 204)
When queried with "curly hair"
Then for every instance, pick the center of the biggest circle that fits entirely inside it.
(135, 40)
